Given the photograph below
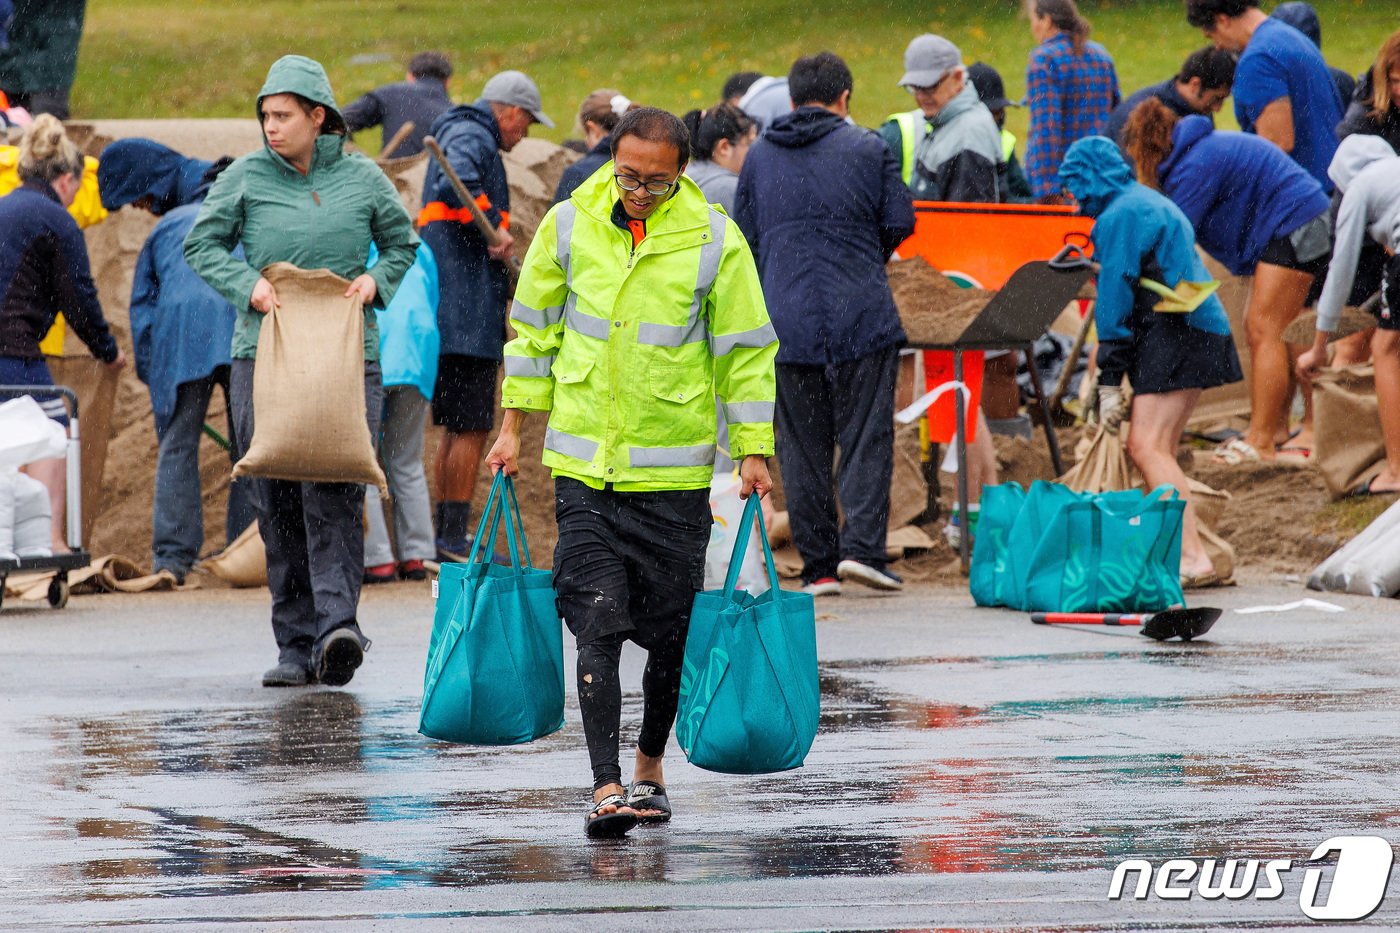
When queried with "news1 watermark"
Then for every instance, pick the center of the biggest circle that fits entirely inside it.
(1359, 877)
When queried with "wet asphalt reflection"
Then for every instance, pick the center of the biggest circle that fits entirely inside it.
(951, 742)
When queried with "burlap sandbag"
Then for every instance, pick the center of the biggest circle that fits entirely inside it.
(242, 563)
(1349, 449)
(908, 488)
(309, 385)
(1103, 467)
(1220, 552)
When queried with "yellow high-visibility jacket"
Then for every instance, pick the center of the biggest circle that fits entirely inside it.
(629, 348)
(87, 206)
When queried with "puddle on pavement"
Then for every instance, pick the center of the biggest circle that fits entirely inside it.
(920, 811)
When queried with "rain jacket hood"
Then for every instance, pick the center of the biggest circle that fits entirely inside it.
(1302, 17)
(1355, 154)
(1188, 131)
(802, 127)
(297, 74)
(1095, 172)
(132, 169)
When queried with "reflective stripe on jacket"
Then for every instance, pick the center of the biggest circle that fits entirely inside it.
(628, 349)
(913, 127)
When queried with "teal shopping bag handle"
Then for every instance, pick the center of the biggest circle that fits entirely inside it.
(519, 521)
(496, 507)
(752, 513)
(1163, 493)
(490, 525)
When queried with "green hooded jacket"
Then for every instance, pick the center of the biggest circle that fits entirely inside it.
(325, 219)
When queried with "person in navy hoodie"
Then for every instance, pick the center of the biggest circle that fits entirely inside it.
(182, 331)
(1169, 358)
(823, 206)
(1260, 214)
(473, 284)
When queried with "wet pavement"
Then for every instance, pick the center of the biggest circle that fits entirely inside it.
(973, 771)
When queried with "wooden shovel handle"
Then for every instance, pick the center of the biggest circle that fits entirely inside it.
(492, 235)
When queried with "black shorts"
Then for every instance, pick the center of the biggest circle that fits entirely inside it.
(629, 562)
(1283, 250)
(464, 399)
(1173, 355)
(1388, 311)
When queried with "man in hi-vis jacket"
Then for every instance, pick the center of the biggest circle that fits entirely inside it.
(638, 307)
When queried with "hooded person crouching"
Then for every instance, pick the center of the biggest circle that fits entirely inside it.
(182, 330)
(1169, 358)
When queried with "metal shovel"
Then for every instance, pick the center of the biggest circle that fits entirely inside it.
(1187, 296)
(1185, 624)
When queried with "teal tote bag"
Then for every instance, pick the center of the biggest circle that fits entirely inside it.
(991, 549)
(750, 698)
(495, 669)
(1042, 503)
(1109, 552)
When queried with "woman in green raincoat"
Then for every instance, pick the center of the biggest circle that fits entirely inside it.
(302, 199)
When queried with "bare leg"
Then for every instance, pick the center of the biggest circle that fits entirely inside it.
(1276, 297)
(1353, 350)
(459, 459)
(1385, 351)
(54, 475)
(1001, 396)
(981, 461)
(1158, 420)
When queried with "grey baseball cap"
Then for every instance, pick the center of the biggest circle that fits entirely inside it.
(515, 89)
(928, 59)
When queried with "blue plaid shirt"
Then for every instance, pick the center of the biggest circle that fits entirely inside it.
(1070, 95)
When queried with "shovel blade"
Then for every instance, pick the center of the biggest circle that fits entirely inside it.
(1185, 624)
(1187, 296)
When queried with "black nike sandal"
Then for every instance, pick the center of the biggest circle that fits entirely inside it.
(612, 825)
(649, 795)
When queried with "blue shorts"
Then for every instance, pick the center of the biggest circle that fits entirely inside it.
(18, 372)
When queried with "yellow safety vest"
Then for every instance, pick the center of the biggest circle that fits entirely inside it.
(628, 344)
(913, 127)
(1008, 145)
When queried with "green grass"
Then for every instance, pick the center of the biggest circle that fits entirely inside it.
(207, 58)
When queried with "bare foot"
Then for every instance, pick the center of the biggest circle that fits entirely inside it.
(605, 792)
(1198, 569)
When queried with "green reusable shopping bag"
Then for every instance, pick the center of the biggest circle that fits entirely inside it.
(750, 698)
(991, 549)
(1109, 552)
(495, 670)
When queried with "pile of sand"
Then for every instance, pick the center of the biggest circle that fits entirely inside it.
(933, 309)
(123, 518)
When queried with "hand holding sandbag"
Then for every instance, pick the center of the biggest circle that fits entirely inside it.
(309, 412)
(1111, 408)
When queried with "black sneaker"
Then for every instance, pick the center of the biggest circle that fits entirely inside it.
(341, 654)
(287, 674)
(879, 578)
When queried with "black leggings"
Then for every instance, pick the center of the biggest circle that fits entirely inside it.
(600, 701)
(628, 566)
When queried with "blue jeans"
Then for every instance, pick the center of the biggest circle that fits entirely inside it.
(177, 522)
